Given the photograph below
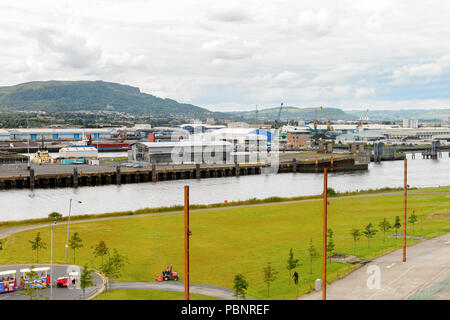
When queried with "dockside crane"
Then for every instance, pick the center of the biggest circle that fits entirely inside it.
(362, 120)
(330, 128)
(315, 119)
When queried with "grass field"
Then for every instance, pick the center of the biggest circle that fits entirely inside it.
(243, 239)
(148, 295)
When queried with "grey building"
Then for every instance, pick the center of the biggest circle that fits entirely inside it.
(182, 152)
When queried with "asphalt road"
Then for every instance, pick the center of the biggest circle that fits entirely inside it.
(58, 293)
(424, 276)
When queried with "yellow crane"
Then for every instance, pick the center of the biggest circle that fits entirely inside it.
(362, 119)
(330, 128)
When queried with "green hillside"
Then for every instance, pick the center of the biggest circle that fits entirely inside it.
(294, 113)
(420, 114)
(69, 96)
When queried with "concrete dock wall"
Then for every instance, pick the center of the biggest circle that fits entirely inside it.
(33, 179)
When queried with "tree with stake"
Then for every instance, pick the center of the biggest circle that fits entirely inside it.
(55, 216)
(291, 264)
(101, 250)
(369, 232)
(397, 225)
(412, 219)
(269, 276)
(75, 243)
(30, 289)
(330, 243)
(86, 279)
(240, 286)
(312, 253)
(356, 235)
(112, 268)
(37, 244)
(385, 226)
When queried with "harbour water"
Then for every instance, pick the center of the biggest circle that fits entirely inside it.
(26, 204)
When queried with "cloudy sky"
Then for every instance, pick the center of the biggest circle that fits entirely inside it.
(233, 55)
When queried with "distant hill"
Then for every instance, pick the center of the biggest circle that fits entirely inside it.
(61, 96)
(420, 114)
(295, 113)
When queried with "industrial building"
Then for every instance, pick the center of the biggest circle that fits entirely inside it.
(297, 139)
(242, 139)
(410, 123)
(53, 134)
(182, 152)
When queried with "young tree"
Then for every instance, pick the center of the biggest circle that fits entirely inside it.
(412, 219)
(30, 290)
(269, 276)
(330, 242)
(312, 253)
(356, 235)
(385, 226)
(397, 225)
(55, 216)
(101, 250)
(291, 264)
(369, 232)
(37, 244)
(112, 267)
(86, 279)
(75, 243)
(240, 286)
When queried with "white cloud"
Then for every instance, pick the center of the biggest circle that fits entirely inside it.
(230, 49)
(348, 53)
(365, 93)
(425, 70)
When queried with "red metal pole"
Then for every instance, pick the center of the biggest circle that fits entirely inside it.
(186, 242)
(324, 254)
(405, 187)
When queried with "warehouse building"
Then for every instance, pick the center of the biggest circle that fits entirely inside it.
(182, 152)
(55, 134)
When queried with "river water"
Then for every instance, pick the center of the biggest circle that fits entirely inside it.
(26, 204)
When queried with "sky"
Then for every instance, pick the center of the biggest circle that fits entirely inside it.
(235, 55)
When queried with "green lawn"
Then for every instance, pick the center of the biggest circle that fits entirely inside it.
(148, 295)
(242, 240)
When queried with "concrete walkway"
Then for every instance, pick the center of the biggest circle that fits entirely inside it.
(207, 290)
(424, 276)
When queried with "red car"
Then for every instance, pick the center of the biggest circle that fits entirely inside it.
(63, 282)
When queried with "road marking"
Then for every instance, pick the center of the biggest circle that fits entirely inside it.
(390, 266)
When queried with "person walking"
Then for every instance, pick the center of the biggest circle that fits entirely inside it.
(295, 276)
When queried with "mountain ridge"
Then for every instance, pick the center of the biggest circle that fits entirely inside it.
(68, 96)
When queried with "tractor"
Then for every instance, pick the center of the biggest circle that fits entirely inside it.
(168, 275)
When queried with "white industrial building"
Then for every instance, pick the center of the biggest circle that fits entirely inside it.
(410, 123)
(77, 152)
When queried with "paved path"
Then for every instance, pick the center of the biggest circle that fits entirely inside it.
(207, 290)
(8, 231)
(424, 276)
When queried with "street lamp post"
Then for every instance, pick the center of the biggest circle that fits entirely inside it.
(68, 227)
(51, 261)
